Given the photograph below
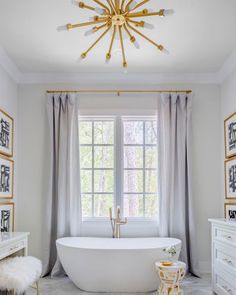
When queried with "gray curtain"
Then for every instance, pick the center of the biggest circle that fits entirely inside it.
(176, 199)
(63, 215)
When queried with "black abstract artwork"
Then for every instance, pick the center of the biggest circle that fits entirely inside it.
(232, 136)
(4, 178)
(232, 178)
(4, 134)
(5, 220)
(232, 214)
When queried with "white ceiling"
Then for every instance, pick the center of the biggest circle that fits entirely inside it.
(200, 37)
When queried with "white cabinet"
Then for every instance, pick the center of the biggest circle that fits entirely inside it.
(223, 256)
(13, 243)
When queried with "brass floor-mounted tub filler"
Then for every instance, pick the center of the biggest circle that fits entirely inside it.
(116, 223)
(119, 16)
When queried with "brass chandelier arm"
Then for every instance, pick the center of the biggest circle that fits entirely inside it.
(96, 29)
(84, 54)
(127, 31)
(138, 24)
(69, 26)
(122, 47)
(160, 47)
(108, 56)
(140, 14)
(84, 6)
(110, 2)
(140, 4)
(117, 6)
(128, 4)
(122, 5)
(103, 5)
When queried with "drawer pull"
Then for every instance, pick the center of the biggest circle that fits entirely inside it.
(13, 248)
(228, 290)
(228, 261)
(228, 237)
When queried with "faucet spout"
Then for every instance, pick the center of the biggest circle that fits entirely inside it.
(116, 223)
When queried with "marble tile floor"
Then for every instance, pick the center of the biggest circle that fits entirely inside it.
(63, 286)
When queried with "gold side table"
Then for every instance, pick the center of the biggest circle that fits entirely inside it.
(170, 278)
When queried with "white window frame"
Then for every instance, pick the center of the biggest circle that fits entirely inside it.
(99, 119)
(118, 161)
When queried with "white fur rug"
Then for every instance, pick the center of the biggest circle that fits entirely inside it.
(18, 273)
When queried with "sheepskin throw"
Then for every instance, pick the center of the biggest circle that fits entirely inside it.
(19, 273)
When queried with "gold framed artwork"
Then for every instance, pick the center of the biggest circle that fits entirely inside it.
(7, 217)
(230, 178)
(6, 134)
(230, 211)
(230, 136)
(6, 178)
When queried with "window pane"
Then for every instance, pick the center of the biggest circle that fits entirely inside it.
(103, 157)
(133, 205)
(85, 132)
(86, 181)
(85, 157)
(103, 181)
(151, 205)
(87, 205)
(102, 203)
(151, 157)
(151, 181)
(103, 132)
(151, 132)
(133, 157)
(133, 132)
(133, 181)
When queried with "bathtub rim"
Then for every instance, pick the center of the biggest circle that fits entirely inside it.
(174, 242)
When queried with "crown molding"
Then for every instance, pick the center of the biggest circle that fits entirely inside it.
(227, 68)
(9, 66)
(120, 78)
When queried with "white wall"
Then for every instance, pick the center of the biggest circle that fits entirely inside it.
(228, 106)
(33, 156)
(8, 103)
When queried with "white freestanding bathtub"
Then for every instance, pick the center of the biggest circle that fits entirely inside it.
(113, 265)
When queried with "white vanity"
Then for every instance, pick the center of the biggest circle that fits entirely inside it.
(13, 243)
(223, 256)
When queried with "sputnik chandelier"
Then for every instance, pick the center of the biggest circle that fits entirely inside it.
(118, 16)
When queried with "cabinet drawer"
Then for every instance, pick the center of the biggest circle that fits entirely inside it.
(12, 248)
(225, 257)
(222, 286)
(225, 235)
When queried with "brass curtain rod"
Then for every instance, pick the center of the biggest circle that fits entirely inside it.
(120, 91)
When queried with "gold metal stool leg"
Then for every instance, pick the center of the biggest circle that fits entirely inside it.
(37, 287)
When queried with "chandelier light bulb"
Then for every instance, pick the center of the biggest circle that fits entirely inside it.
(165, 51)
(62, 28)
(148, 26)
(99, 10)
(89, 32)
(132, 5)
(168, 12)
(136, 44)
(74, 2)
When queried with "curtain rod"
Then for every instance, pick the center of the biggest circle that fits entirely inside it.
(119, 91)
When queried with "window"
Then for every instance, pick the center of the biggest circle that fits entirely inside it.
(118, 162)
(97, 166)
(140, 167)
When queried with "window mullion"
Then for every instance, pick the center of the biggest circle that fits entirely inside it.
(118, 163)
(144, 172)
(93, 212)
